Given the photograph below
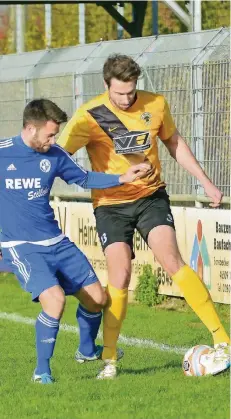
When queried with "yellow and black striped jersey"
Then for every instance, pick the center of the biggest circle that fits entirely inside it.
(115, 139)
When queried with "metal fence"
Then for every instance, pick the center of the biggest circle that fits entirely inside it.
(191, 69)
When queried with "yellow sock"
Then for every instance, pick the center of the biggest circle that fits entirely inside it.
(113, 316)
(198, 297)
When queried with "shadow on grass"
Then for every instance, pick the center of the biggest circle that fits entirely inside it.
(135, 371)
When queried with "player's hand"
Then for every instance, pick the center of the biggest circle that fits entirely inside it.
(135, 172)
(214, 193)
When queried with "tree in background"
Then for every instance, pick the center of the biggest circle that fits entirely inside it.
(34, 27)
(215, 14)
(65, 25)
(99, 24)
(5, 26)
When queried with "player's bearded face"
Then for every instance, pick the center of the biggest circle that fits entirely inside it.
(122, 94)
(44, 136)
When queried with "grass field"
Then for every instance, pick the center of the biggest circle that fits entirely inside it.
(150, 385)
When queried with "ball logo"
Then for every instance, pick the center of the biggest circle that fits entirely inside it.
(186, 366)
(45, 165)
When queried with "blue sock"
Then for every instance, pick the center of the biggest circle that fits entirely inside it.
(46, 331)
(89, 324)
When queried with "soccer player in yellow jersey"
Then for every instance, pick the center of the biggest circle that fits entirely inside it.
(120, 128)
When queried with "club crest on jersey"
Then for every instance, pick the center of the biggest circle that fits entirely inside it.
(146, 117)
(45, 165)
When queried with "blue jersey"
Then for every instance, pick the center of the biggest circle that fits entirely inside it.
(26, 179)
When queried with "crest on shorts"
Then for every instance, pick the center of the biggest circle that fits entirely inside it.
(146, 117)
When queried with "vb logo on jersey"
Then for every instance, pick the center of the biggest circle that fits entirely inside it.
(133, 142)
(45, 165)
(146, 117)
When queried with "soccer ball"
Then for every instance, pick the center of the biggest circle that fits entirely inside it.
(195, 362)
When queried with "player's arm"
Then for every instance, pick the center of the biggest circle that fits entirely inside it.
(76, 133)
(71, 172)
(181, 152)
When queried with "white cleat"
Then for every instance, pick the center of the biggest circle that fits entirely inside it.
(222, 354)
(218, 359)
(108, 371)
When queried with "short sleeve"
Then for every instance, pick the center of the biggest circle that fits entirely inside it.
(75, 134)
(168, 126)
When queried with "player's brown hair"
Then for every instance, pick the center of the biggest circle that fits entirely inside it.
(120, 67)
(39, 111)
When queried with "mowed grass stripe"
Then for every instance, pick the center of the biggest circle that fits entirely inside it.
(150, 384)
(128, 341)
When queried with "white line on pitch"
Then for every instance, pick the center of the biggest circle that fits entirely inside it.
(128, 341)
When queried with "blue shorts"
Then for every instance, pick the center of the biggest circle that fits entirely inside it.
(41, 267)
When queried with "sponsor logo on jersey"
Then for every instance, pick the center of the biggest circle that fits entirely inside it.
(125, 141)
(38, 194)
(24, 183)
(133, 142)
(45, 165)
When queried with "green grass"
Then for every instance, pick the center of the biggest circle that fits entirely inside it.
(150, 384)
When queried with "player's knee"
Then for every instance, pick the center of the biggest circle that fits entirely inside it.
(60, 299)
(121, 278)
(94, 302)
(100, 300)
(53, 301)
(172, 263)
(104, 299)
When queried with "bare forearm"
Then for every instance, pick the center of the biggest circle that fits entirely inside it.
(184, 156)
(180, 151)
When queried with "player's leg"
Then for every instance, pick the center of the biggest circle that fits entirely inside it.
(92, 298)
(77, 278)
(31, 265)
(119, 275)
(115, 229)
(47, 326)
(116, 308)
(162, 240)
(157, 227)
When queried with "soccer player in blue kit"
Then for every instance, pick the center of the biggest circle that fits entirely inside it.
(46, 263)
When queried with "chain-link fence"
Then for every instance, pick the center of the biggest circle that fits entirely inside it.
(191, 69)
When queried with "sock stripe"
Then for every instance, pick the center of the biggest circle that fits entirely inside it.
(55, 321)
(46, 328)
(47, 322)
(91, 315)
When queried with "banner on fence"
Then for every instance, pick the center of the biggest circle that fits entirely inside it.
(203, 237)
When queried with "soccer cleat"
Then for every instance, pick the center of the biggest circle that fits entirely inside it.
(222, 354)
(80, 358)
(108, 372)
(218, 359)
(223, 348)
(43, 378)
